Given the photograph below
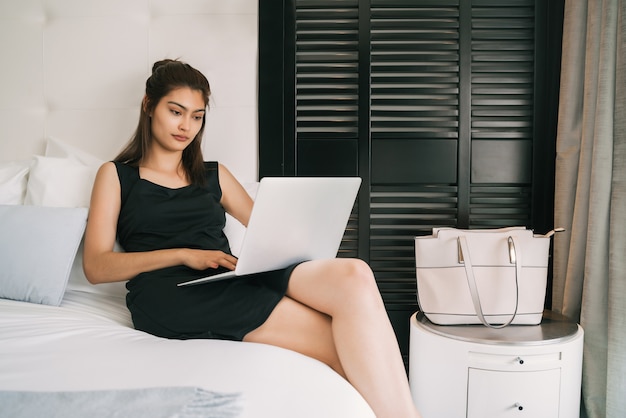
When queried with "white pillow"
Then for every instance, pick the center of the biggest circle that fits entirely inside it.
(59, 182)
(13, 180)
(37, 249)
(57, 148)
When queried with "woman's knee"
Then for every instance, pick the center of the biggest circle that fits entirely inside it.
(335, 285)
(359, 271)
(357, 280)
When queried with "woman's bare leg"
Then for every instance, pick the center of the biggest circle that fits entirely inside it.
(358, 341)
(299, 328)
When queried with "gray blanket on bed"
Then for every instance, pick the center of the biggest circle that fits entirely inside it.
(169, 402)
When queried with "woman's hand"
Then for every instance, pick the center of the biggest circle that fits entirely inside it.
(205, 259)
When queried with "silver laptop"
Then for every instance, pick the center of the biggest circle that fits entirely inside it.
(293, 219)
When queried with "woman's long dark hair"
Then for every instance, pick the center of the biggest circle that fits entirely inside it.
(168, 75)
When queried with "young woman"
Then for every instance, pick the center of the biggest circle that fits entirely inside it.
(166, 207)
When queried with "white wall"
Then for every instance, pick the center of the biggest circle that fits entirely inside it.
(75, 70)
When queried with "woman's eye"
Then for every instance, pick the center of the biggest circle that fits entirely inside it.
(175, 112)
(198, 118)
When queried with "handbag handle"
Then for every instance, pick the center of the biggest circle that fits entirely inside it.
(464, 258)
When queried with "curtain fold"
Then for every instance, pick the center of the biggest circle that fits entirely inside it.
(616, 379)
(590, 197)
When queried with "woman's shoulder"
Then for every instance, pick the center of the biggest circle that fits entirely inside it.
(107, 170)
(126, 175)
(123, 169)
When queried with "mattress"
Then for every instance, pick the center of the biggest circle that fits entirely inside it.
(88, 343)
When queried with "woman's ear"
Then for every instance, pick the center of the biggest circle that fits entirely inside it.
(144, 104)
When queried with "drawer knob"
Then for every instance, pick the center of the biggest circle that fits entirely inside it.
(520, 360)
(519, 406)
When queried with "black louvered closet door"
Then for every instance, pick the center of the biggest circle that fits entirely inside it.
(445, 108)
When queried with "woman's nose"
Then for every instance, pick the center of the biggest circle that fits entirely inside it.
(184, 124)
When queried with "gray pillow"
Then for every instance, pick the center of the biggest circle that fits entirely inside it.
(37, 248)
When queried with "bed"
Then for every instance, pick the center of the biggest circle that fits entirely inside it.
(60, 335)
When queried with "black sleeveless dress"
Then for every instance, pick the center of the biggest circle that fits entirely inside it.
(156, 217)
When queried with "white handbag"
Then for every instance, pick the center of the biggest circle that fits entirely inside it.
(493, 277)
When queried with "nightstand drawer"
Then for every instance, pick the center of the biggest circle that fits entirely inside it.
(499, 394)
(516, 361)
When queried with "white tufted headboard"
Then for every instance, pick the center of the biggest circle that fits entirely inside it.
(75, 70)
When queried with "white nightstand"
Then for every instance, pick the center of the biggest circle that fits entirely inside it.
(476, 372)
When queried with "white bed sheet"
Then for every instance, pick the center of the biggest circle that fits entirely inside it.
(88, 343)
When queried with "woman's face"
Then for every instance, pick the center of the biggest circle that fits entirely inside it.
(177, 119)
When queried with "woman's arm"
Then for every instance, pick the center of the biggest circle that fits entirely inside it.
(102, 264)
(235, 200)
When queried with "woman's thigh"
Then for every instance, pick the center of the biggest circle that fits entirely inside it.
(300, 328)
